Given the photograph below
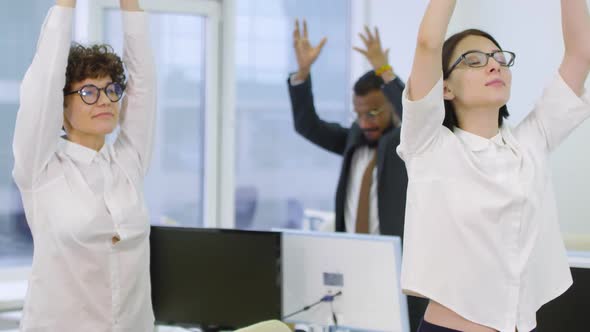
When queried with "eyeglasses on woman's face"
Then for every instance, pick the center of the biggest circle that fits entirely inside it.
(478, 59)
(90, 93)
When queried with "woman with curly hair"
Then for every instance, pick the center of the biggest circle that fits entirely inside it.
(82, 197)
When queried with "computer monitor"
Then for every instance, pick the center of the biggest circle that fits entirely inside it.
(569, 312)
(365, 268)
(214, 278)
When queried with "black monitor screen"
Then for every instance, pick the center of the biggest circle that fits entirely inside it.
(215, 278)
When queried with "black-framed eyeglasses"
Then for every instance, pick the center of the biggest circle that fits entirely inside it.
(477, 59)
(90, 93)
(370, 115)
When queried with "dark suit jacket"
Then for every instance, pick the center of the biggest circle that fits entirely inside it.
(391, 171)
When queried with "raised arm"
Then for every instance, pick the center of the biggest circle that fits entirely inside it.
(379, 60)
(562, 107)
(427, 66)
(576, 37)
(138, 112)
(305, 53)
(330, 136)
(40, 115)
(423, 98)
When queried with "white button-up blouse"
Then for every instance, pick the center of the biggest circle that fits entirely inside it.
(481, 234)
(76, 199)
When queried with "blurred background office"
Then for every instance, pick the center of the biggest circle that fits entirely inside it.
(227, 154)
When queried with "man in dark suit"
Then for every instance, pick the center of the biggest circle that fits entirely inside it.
(371, 193)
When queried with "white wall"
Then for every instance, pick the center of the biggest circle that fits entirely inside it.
(398, 26)
(530, 28)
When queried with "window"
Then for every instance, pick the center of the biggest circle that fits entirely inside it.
(19, 31)
(183, 46)
(279, 173)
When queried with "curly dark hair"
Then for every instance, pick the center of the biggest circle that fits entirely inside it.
(93, 62)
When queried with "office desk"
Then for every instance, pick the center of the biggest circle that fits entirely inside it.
(566, 313)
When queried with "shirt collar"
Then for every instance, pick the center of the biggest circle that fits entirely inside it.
(83, 154)
(478, 143)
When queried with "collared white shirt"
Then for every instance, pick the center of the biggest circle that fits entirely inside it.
(494, 157)
(485, 242)
(358, 164)
(93, 166)
(76, 199)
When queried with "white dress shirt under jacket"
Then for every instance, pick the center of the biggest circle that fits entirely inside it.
(361, 158)
(76, 199)
(481, 234)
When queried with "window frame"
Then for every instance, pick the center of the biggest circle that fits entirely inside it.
(94, 12)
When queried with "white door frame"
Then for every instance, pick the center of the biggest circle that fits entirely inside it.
(227, 165)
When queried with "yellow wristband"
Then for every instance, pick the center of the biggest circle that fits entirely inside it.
(382, 70)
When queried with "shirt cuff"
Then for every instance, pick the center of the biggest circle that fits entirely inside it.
(559, 89)
(422, 123)
(295, 81)
(424, 107)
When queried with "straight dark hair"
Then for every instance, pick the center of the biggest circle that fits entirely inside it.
(449, 47)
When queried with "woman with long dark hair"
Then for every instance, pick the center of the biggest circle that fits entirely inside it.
(482, 240)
